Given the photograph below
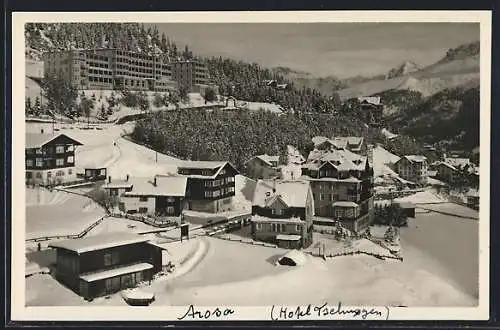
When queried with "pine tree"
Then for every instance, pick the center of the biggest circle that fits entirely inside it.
(27, 106)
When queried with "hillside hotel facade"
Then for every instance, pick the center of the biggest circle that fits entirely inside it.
(111, 68)
(342, 186)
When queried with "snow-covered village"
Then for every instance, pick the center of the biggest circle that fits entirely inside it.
(159, 172)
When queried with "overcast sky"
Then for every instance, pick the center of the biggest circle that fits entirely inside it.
(340, 49)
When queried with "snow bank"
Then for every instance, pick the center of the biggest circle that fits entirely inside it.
(421, 197)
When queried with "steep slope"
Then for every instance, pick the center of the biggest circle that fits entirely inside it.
(403, 69)
(458, 67)
(449, 118)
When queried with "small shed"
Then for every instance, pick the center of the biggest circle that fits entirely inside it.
(408, 209)
(293, 258)
(288, 241)
(94, 172)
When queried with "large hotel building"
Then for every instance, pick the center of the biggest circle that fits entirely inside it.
(115, 69)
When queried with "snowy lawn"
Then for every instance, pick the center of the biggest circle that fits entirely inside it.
(62, 214)
(452, 208)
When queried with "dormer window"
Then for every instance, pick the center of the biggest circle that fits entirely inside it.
(277, 211)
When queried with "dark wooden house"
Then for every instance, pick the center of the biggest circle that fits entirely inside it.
(95, 173)
(105, 264)
(50, 159)
(371, 109)
(210, 185)
(158, 196)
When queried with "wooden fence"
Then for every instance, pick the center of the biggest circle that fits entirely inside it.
(79, 235)
(241, 240)
(351, 253)
(147, 220)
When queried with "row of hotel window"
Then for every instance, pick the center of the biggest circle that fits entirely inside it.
(219, 182)
(38, 175)
(60, 149)
(145, 199)
(169, 210)
(335, 197)
(220, 192)
(339, 212)
(277, 227)
(333, 185)
(59, 161)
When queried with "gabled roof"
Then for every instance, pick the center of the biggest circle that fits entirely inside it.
(447, 165)
(174, 186)
(209, 165)
(99, 242)
(370, 99)
(201, 164)
(266, 159)
(342, 159)
(457, 162)
(351, 140)
(117, 184)
(37, 140)
(414, 158)
(293, 193)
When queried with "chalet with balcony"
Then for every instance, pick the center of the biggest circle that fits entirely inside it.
(342, 186)
(210, 185)
(104, 264)
(50, 159)
(282, 213)
(473, 199)
(413, 168)
(262, 167)
(160, 196)
(371, 109)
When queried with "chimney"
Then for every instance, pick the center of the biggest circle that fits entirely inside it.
(154, 182)
(109, 179)
(41, 130)
(127, 177)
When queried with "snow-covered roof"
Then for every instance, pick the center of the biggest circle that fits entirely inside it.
(165, 186)
(294, 156)
(370, 99)
(347, 180)
(342, 159)
(283, 237)
(210, 165)
(350, 140)
(345, 204)
(291, 192)
(415, 158)
(201, 164)
(98, 242)
(120, 184)
(457, 162)
(388, 134)
(473, 193)
(37, 140)
(447, 165)
(298, 257)
(262, 219)
(96, 276)
(267, 159)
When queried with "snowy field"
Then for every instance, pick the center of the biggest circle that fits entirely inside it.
(58, 213)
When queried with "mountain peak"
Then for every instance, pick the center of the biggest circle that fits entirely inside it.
(403, 69)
